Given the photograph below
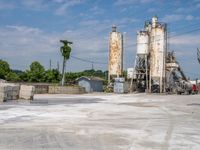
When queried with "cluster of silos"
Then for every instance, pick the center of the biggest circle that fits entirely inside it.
(151, 53)
(115, 68)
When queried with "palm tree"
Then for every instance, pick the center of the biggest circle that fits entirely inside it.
(65, 51)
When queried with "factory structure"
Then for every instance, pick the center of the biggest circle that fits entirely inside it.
(156, 69)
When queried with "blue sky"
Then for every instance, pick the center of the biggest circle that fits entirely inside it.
(31, 29)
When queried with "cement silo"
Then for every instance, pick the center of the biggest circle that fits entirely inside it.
(142, 43)
(115, 67)
(141, 61)
(158, 43)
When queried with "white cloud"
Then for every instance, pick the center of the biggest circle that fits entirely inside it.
(129, 2)
(63, 8)
(188, 9)
(198, 5)
(89, 22)
(24, 29)
(58, 1)
(21, 44)
(35, 4)
(97, 10)
(176, 17)
(189, 17)
(6, 5)
(186, 40)
(146, 1)
(172, 18)
(123, 10)
(127, 20)
(151, 10)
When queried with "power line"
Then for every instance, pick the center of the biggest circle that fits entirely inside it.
(185, 33)
(184, 27)
(89, 61)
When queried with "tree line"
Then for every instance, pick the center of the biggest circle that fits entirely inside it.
(37, 73)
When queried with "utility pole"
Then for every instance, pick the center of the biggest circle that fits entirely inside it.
(65, 51)
(92, 66)
(198, 55)
(50, 64)
(58, 67)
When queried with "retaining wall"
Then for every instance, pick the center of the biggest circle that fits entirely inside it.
(66, 90)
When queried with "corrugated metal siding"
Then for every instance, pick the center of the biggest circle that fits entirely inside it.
(91, 85)
(97, 86)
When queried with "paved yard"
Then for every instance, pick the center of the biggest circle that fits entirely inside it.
(102, 122)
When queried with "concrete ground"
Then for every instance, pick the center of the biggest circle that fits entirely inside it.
(102, 122)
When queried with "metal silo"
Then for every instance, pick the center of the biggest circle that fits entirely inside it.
(115, 54)
(158, 43)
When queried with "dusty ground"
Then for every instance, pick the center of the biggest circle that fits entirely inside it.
(102, 122)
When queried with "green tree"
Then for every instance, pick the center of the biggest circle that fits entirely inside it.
(52, 76)
(65, 51)
(24, 76)
(4, 69)
(36, 72)
(12, 76)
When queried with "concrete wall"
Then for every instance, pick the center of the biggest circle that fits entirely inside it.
(41, 88)
(66, 90)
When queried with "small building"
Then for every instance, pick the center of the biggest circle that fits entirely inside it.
(120, 86)
(91, 84)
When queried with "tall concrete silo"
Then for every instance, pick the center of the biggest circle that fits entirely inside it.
(158, 50)
(115, 68)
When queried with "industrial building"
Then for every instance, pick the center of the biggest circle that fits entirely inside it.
(150, 58)
(156, 69)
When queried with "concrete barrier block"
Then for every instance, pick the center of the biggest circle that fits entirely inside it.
(2, 81)
(9, 91)
(27, 92)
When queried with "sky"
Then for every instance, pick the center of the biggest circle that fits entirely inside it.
(30, 30)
